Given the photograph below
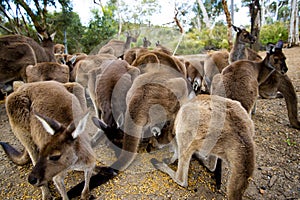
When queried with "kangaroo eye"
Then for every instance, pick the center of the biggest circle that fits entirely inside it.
(54, 158)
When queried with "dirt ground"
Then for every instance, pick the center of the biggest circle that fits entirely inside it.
(276, 176)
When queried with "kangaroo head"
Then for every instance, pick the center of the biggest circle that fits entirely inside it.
(60, 153)
(244, 36)
(276, 57)
(46, 39)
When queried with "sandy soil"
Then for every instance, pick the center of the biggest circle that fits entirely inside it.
(276, 176)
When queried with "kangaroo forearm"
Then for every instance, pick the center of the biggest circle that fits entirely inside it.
(288, 91)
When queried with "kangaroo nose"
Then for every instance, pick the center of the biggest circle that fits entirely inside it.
(32, 180)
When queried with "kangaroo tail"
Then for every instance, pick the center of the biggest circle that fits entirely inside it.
(20, 158)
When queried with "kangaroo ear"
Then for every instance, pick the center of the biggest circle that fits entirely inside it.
(120, 120)
(80, 127)
(99, 123)
(270, 48)
(52, 35)
(40, 36)
(73, 59)
(50, 125)
(236, 29)
(279, 44)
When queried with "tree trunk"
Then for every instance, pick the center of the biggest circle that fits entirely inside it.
(294, 25)
(263, 12)
(255, 13)
(228, 19)
(120, 19)
(206, 19)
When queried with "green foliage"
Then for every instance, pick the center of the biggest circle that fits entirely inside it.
(197, 41)
(273, 33)
(19, 15)
(69, 22)
(290, 142)
(101, 28)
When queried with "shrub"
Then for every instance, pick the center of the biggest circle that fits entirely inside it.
(197, 41)
(273, 33)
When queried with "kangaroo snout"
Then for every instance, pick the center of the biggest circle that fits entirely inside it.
(32, 179)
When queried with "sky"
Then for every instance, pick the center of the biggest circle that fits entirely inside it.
(167, 12)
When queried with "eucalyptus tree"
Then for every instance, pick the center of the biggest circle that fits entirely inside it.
(20, 15)
(69, 30)
(294, 24)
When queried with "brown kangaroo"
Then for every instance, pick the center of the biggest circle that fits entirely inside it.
(118, 47)
(217, 61)
(18, 51)
(239, 50)
(198, 129)
(153, 99)
(46, 71)
(241, 79)
(44, 116)
(108, 87)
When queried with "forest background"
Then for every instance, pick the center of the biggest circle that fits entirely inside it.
(195, 28)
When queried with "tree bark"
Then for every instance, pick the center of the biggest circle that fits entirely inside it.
(39, 27)
(294, 25)
(228, 19)
(206, 19)
(120, 19)
(255, 13)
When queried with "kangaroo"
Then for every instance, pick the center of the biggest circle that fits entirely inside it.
(240, 80)
(239, 50)
(59, 49)
(195, 132)
(108, 86)
(214, 63)
(160, 47)
(118, 47)
(82, 67)
(46, 71)
(146, 42)
(217, 61)
(152, 103)
(195, 70)
(17, 52)
(44, 116)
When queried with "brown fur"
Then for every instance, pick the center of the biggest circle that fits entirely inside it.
(61, 58)
(143, 62)
(59, 49)
(118, 47)
(162, 48)
(214, 63)
(16, 52)
(195, 71)
(15, 58)
(131, 54)
(112, 83)
(153, 99)
(241, 79)
(239, 50)
(195, 132)
(107, 84)
(217, 61)
(283, 84)
(82, 67)
(46, 71)
(146, 42)
(61, 109)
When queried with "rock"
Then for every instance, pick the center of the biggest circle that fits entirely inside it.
(272, 180)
